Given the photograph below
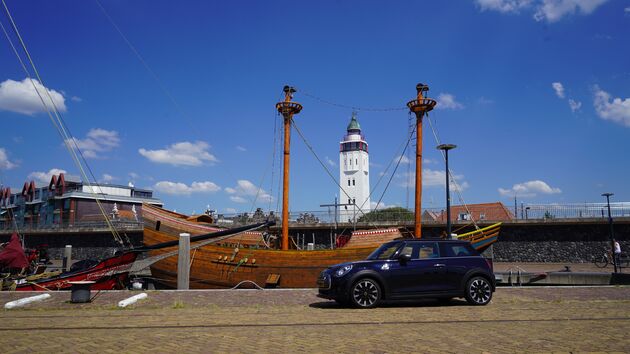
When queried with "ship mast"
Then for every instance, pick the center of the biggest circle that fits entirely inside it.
(420, 106)
(287, 108)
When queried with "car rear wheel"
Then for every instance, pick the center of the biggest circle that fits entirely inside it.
(365, 293)
(478, 291)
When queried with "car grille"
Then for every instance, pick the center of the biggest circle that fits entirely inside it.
(323, 281)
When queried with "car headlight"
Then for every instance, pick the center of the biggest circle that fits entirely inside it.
(343, 270)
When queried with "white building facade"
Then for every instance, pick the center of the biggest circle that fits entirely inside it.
(354, 173)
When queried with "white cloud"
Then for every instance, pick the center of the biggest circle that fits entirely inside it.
(557, 86)
(44, 177)
(484, 100)
(554, 10)
(134, 175)
(381, 205)
(240, 148)
(245, 190)
(403, 159)
(627, 11)
(616, 110)
(238, 199)
(76, 99)
(433, 178)
(107, 178)
(575, 105)
(5, 164)
(529, 189)
(178, 188)
(504, 6)
(97, 141)
(230, 210)
(181, 154)
(447, 101)
(548, 10)
(21, 97)
(330, 162)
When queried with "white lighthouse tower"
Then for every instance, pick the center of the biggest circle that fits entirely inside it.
(354, 173)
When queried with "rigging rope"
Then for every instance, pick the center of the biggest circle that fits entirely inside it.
(322, 163)
(57, 121)
(356, 108)
(451, 176)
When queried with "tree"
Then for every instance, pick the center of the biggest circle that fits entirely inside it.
(388, 214)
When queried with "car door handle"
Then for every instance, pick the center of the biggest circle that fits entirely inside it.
(439, 265)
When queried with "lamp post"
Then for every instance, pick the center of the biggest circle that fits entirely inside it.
(526, 214)
(610, 225)
(446, 148)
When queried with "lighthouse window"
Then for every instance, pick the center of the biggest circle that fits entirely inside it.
(353, 181)
(348, 182)
(356, 161)
(349, 201)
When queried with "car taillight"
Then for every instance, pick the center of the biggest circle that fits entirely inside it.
(489, 261)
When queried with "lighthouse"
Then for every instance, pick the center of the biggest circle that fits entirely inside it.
(354, 173)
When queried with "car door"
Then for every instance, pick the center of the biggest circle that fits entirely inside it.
(423, 273)
(457, 258)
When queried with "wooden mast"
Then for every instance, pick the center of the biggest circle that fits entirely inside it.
(419, 106)
(287, 109)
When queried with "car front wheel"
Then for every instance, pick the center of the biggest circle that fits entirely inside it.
(478, 291)
(365, 293)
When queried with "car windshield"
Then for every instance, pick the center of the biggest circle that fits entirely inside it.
(385, 251)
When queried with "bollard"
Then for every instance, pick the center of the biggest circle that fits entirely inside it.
(25, 301)
(132, 300)
(67, 258)
(183, 262)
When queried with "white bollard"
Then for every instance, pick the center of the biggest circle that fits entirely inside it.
(132, 300)
(26, 300)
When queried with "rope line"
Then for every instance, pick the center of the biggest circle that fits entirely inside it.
(353, 107)
(57, 121)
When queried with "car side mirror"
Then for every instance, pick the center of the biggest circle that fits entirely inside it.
(404, 258)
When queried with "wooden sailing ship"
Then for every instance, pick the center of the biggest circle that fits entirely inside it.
(234, 260)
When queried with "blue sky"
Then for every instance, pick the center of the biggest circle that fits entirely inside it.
(535, 93)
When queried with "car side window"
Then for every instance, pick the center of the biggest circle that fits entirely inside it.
(428, 250)
(457, 250)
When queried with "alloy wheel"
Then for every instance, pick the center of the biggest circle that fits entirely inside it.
(479, 291)
(366, 293)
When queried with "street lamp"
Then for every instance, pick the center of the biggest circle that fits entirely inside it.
(610, 224)
(446, 148)
(526, 214)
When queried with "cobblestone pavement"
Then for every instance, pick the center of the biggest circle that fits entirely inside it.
(582, 319)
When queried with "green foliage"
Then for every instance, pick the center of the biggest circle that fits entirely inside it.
(388, 214)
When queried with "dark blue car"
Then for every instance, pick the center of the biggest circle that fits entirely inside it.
(408, 269)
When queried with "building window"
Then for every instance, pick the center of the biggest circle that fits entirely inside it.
(357, 161)
(463, 216)
(353, 181)
(348, 182)
(349, 201)
(482, 216)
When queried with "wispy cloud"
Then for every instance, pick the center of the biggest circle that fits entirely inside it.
(529, 189)
(44, 177)
(381, 205)
(614, 109)
(76, 99)
(245, 190)
(543, 10)
(181, 154)
(5, 164)
(107, 178)
(330, 162)
(240, 148)
(178, 188)
(557, 86)
(97, 141)
(560, 92)
(21, 97)
(448, 101)
(433, 178)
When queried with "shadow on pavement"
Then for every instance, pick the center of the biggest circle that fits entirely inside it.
(396, 304)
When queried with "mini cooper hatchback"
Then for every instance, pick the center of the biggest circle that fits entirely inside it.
(408, 269)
